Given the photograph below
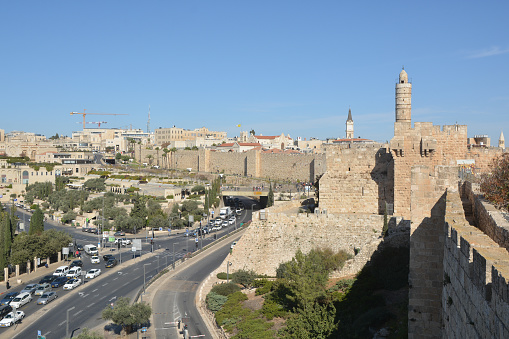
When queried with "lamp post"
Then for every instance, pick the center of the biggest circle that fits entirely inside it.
(67, 323)
(144, 275)
(228, 271)
(173, 256)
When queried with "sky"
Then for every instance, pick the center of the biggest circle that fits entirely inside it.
(292, 67)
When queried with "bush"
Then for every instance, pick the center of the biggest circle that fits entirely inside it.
(225, 289)
(263, 286)
(221, 275)
(215, 301)
(494, 185)
(243, 277)
(271, 309)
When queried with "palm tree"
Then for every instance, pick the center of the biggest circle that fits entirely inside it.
(149, 157)
(165, 150)
(157, 152)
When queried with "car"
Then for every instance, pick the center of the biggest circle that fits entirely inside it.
(238, 211)
(111, 263)
(47, 279)
(61, 271)
(4, 310)
(107, 257)
(80, 248)
(42, 288)
(231, 221)
(94, 272)
(72, 283)
(8, 298)
(216, 228)
(233, 244)
(95, 259)
(12, 318)
(218, 221)
(77, 263)
(59, 282)
(21, 299)
(224, 223)
(206, 230)
(30, 288)
(119, 234)
(74, 272)
(46, 298)
(123, 241)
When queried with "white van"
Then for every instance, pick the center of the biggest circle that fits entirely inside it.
(61, 271)
(74, 272)
(91, 249)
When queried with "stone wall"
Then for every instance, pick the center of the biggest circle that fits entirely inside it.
(267, 243)
(475, 292)
(359, 179)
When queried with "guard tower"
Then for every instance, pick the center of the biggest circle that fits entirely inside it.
(403, 98)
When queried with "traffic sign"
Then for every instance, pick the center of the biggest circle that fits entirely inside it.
(160, 228)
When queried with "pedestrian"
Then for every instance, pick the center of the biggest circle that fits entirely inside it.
(7, 285)
(46, 265)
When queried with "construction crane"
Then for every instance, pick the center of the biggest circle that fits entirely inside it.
(86, 113)
(95, 122)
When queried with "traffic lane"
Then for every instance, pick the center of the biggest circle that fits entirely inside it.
(175, 300)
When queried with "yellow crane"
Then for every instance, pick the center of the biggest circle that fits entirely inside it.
(86, 113)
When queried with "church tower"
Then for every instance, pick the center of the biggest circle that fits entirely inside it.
(501, 141)
(403, 99)
(349, 125)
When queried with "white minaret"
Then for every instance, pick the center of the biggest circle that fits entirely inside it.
(349, 125)
(403, 98)
(501, 141)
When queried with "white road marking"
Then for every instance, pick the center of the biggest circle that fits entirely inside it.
(115, 278)
(94, 290)
(104, 284)
(75, 314)
(63, 322)
(89, 305)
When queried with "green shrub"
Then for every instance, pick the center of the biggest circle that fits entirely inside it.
(243, 277)
(221, 275)
(263, 286)
(225, 289)
(271, 309)
(215, 301)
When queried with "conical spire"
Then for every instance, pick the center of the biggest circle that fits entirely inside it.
(349, 115)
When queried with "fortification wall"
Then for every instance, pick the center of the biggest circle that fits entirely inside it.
(483, 157)
(361, 175)
(303, 167)
(475, 293)
(230, 163)
(268, 243)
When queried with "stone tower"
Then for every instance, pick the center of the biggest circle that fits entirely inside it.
(501, 141)
(349, 125)
(403, 98)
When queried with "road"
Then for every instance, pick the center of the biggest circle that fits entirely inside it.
(96, 294)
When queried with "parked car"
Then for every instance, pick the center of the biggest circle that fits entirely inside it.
(95, 259)
(20, 300)
(238, 211)
(216, 228)
(30, 288)
(72, 283)
(80, 248)
(4, 310)
(47, 279)
(111, 263)
(59, 282)
(74, 272)
(123, 241)
(84, 229)
(119, 234)
(42, 288)
(46, 298)
(77, 263)
(107, 257)
(233, 244)
(61, 271)
(12, 318)
(94, 272)
(8, 298)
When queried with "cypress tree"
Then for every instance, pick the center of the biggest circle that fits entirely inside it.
(36, 222)
(270, 197)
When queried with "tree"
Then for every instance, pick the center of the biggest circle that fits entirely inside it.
(139, 209)
(118, 156)
(270, 197)
(96, 184)
(495, 186)
(252, 132)
(198, 189)
(157, 156)
(243, 277)
(87, 334)
(36, 222)
(126, 315)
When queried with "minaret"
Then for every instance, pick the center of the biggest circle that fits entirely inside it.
(501, 141)
(349, 125)
(403, 98)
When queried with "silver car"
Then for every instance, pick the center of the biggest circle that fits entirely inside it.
(42, 288)
(46, 298)
(30, 288)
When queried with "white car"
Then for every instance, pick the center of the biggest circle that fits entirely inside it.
(123, 241)
(95, 260)
(225, 223)
(74, 272)
(72, 283)
(94, 272)
(216, 228)
(233, 244)
(231, 221)
(12, 318)
(21, 299)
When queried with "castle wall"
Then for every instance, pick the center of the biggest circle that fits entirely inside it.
(303, 167)
(358, 179)
(483, 157)
(475, 293)
(268, 243)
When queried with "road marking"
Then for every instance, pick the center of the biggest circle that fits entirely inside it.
(115, 297)
(63, 322)
(75, 314)
(89, 305)
(94, 290)
(115, 278)
(85, 295)
(104, 284)
(45, 334)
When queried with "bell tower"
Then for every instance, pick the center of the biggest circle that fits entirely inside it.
(501, 140)
(403, 98)
(349, 125)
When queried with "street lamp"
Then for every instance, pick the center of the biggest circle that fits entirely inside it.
(144, 275)
(228, 271)
(173, 256)
(67, 324)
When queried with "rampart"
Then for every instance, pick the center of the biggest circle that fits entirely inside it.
(267, 243)
(475, 292)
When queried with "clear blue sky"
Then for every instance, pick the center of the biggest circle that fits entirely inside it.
(272, 66)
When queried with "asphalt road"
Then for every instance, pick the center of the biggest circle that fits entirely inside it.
(96, 294)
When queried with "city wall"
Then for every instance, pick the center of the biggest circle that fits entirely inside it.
(292, 167)
(268, 243)
(475, 291)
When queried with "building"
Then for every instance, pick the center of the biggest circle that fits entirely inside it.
(167, 135)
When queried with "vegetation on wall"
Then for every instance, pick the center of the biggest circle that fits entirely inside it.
(495, 185)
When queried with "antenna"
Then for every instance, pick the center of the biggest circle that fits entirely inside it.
(148, 121)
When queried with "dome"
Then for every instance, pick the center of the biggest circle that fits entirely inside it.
(403, 77)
